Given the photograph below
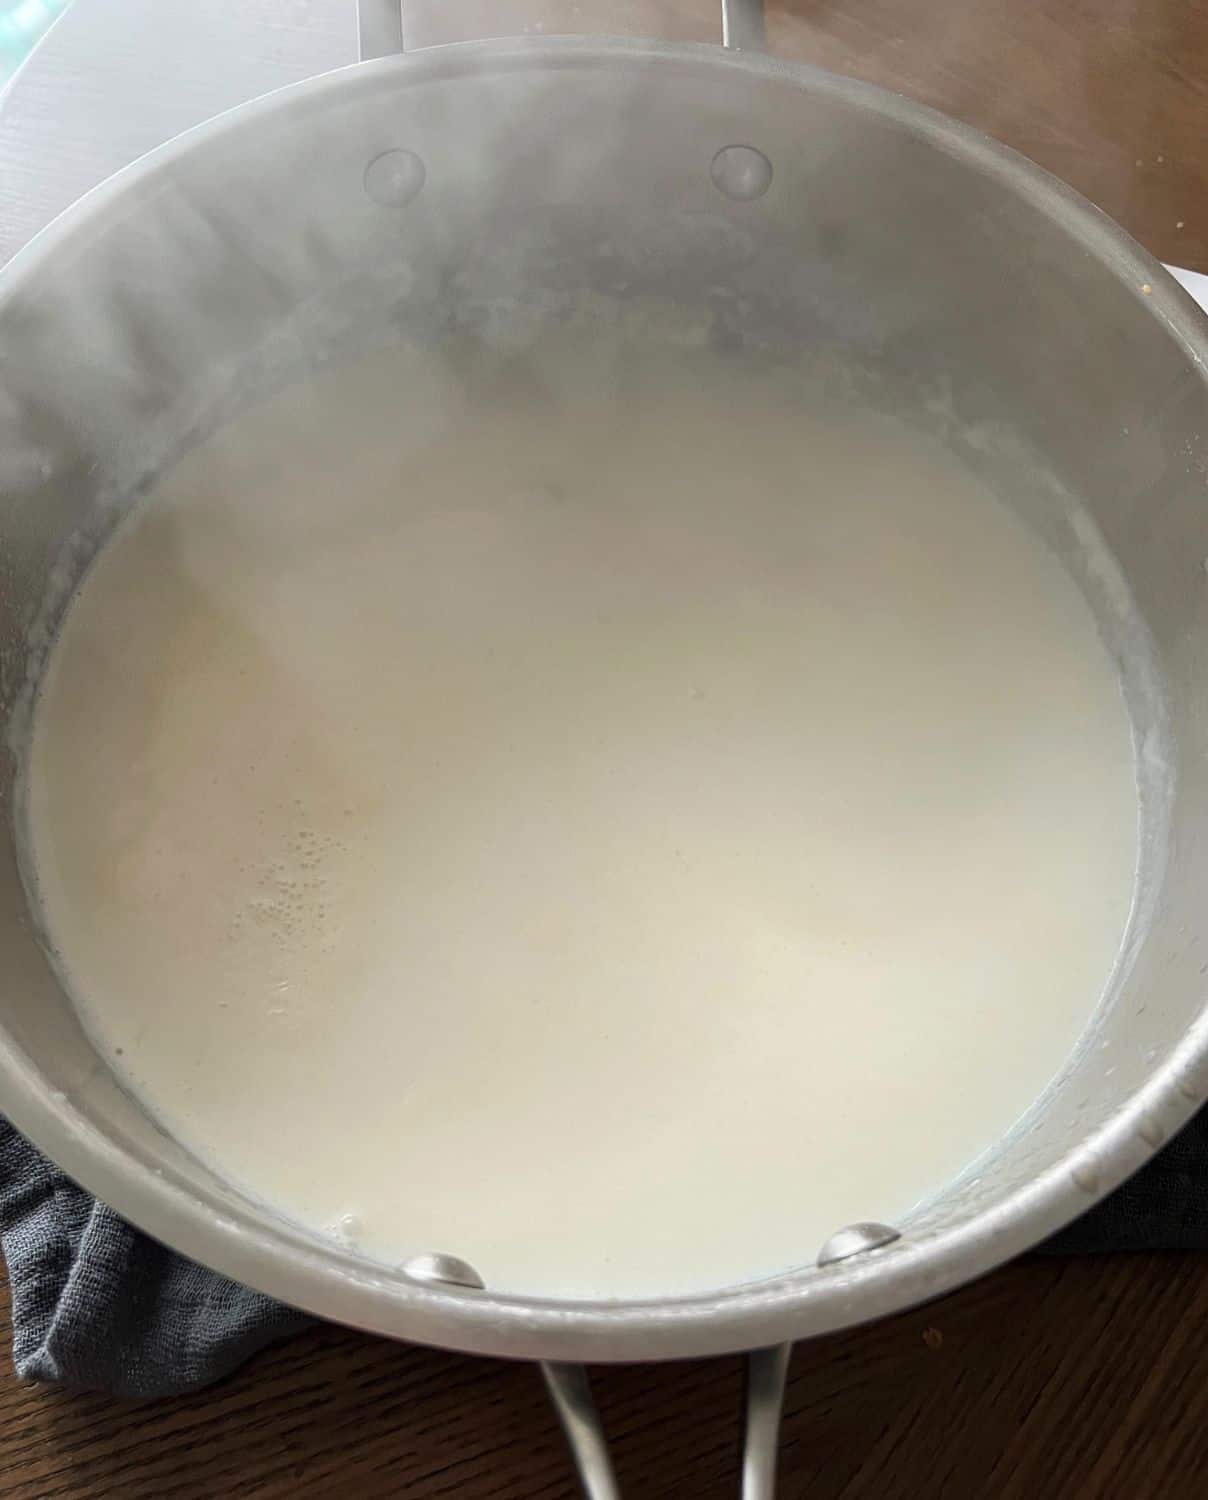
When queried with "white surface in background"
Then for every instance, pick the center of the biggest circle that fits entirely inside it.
(114, 78)
(1194, 281)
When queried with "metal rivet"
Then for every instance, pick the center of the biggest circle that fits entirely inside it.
(394, 178)
(741, 172)
(1086, 1175)
(446, 1270)
(855, 1240)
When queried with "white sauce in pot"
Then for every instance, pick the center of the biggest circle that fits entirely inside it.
(608, 817)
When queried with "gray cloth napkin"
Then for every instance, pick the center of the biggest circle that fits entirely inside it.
(97, 1305)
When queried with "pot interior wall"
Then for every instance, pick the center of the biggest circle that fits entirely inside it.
(922, 275)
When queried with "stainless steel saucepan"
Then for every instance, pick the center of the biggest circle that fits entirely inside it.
(491, 185)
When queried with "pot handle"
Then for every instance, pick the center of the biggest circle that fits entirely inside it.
(570, 1391)
(380, 26)
(380, 34)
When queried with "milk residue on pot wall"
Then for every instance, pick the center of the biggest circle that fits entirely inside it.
(592, 807)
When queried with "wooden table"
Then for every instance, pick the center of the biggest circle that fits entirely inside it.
(1052, 1379)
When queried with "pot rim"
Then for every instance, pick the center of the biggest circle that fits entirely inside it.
(286, 1262)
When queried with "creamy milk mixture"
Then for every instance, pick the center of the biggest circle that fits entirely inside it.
(595, 812)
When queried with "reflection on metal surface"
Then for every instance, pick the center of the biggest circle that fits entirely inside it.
(766, 1372)
(379, 28)
(570, 1391)
(741, 172)
(855, 1240)
(742, 25)
(394, 178)
(445, 1270)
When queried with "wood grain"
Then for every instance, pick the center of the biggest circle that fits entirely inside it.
(1051, 1380)
(1064, 1380)
(1111, 95)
